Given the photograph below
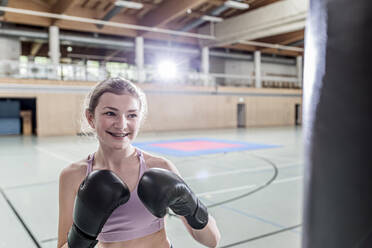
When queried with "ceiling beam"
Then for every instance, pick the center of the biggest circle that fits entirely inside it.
(90, 27)
(61, 6)
(171, 38)
(289, 40)
(42, 3)
(26, 19)
(250, 48)
(285, 38)
(254, 4)
(101, 13)
(276, 18)
(66, 24)
(167, 11)
(216, 2)
(122, 23)
(270, 45)
(241, 47)
(281, 52)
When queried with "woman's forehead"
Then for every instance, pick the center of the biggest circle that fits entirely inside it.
(124, 101)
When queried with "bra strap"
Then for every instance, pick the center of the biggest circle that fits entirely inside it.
(90, 163)
(142, 162)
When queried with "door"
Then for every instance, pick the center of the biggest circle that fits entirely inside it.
(241, 115)
(298, 114)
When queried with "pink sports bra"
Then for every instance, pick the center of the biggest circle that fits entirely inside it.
(131, 220)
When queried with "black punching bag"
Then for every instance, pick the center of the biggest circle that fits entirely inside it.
(338, 124)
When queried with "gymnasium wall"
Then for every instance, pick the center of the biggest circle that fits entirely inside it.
(170, 107)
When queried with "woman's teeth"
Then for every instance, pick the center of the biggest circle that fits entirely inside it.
(119, 134)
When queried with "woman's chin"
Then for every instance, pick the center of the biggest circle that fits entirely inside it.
(119, 145)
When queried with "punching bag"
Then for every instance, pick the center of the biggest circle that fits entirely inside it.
(338, 125)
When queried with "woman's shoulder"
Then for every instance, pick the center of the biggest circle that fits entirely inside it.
(154, 161)
(74, 172)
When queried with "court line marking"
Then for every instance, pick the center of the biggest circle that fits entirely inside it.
(20, 219)
(291, 229)
(262, 168)
(215, 192)
(268, 156)
(53, 154)
(13, 187)
(252, 216)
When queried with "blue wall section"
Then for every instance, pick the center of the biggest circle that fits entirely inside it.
(10, 126)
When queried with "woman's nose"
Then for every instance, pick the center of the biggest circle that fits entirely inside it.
(121, 122)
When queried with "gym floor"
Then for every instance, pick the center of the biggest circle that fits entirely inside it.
(266, 182)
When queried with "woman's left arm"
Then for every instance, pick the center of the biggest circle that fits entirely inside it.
(208, 236)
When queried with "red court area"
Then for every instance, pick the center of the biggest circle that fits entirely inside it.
(196, 145)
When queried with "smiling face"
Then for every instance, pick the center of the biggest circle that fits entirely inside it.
(116, 120)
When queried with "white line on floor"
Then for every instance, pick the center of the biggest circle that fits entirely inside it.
(204, 175)
(288, 157)
(53, 154)
(208, 194)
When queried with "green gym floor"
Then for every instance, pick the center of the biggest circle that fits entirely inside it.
(266, 214)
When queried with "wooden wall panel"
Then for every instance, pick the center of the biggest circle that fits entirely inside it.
(59, 113)
(271, 111)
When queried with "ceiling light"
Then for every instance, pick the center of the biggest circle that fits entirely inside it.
(167, 70)
(236, 5)
(211, 18)
(128, 4)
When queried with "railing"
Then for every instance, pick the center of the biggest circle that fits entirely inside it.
(77, 72)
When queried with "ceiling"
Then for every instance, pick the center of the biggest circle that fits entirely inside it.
(178, 15)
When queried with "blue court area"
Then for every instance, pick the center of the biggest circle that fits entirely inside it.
(198, 146)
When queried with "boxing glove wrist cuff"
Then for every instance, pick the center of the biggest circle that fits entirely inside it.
(77, 239)
(200, 218)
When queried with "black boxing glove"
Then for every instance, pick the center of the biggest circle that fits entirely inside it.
(99, 194)
(160, 188)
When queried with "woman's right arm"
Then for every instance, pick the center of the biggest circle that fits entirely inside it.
(69, 179)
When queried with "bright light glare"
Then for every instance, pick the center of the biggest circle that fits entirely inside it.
(167, 70)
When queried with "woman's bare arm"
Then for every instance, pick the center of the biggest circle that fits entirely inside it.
(209, 235)
(69, 181)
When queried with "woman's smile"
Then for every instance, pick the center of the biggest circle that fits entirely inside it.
(118, 135)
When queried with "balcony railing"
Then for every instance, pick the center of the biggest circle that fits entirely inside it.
(77, 72)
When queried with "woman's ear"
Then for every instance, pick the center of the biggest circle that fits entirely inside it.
(90, 117)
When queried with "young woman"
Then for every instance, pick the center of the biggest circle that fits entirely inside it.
(116, 109)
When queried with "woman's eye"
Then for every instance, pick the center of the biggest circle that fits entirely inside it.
(132, 115)
(110, 113)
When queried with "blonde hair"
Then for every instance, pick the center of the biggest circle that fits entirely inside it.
(118, 86)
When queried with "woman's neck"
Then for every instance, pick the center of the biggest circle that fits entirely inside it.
(110, 158)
